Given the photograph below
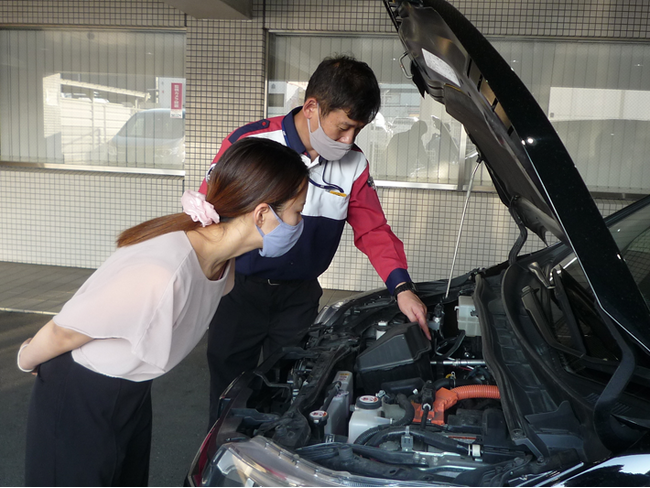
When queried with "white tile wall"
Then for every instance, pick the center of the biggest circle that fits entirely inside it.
(72, 218)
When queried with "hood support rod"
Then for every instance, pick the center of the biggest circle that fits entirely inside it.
(479, 160)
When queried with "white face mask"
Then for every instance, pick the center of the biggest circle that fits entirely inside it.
(324, 145)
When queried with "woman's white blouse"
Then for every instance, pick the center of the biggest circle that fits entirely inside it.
(147, 307)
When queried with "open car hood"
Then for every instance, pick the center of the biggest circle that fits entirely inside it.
(530, 167)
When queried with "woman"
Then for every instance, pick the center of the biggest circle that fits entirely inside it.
(143, 311)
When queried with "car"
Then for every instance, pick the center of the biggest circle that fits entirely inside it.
(150, 138)
(538, 369)
(402, 124)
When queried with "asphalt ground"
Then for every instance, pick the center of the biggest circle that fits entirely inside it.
(180, 407)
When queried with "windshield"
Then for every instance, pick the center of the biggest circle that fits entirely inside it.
(632, 236)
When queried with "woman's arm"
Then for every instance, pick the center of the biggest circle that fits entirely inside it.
(49, 342)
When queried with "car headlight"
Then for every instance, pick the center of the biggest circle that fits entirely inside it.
(260, 462)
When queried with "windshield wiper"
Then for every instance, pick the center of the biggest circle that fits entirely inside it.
(533, 306)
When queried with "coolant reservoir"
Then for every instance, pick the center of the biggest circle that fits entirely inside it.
(368, 413)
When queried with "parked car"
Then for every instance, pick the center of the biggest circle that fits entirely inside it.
(150, 138)
(538, 370)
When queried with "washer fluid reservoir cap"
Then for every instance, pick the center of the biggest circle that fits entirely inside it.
(368, 402)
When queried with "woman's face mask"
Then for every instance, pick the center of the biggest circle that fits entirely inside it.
(281, 239)
(324, 145)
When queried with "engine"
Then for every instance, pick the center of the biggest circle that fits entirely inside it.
(494, 398)
(373, 396)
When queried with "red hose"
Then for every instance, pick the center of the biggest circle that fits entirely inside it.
(477, 391)
(445, 399)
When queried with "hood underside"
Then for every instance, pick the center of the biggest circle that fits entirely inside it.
(529, 165)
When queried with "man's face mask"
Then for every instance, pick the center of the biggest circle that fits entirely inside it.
(324, 145)
(281, 239)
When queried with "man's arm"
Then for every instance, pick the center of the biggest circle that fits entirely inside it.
(372, 234)
(49, 342)
(374, 237)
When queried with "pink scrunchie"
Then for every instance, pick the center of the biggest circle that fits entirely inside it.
(195, 206)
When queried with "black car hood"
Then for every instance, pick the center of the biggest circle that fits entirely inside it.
(530, 167)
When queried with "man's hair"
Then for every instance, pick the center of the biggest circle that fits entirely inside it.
(342, 82)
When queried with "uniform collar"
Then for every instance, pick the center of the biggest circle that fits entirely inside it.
(291, 134)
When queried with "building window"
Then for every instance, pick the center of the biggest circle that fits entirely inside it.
(597, 96)
(99, 98)
(594, 93)
(411, 142)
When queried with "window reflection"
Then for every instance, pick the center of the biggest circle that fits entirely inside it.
(594, 93)
(101, 98)
(150, 137)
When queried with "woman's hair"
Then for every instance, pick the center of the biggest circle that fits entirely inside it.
(342, 82)
(250, 172)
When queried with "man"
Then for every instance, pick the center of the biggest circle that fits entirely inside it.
(275, 300)
(407, 150)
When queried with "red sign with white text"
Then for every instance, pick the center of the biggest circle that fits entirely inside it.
(177, 96)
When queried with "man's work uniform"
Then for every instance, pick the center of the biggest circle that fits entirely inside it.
(275, 300)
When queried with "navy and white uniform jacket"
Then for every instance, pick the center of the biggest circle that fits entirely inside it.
(355, 200)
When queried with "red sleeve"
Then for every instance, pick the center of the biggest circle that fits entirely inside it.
(372, 234)
(225, 144)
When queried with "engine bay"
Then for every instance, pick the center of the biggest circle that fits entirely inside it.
(369, 394)
(492, 399)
